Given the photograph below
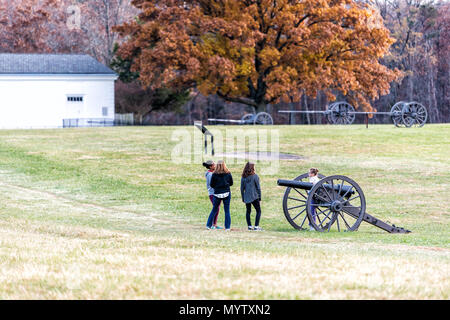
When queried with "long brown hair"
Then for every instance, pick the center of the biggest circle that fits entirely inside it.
(249, 170)
(221, 167)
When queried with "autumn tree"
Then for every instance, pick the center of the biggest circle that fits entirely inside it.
(98, 17)
(443, 63)
(421, 32)
(37, 26)
(63, 26)
(132, 97)
(22, 25)
(258, 52)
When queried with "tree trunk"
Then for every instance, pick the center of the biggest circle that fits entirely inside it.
(291, 115)
(189, 105)
(305, 103)
(411, 81)
(261, 107)
(434, 112)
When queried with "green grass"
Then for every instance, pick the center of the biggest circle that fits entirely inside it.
(103, 213)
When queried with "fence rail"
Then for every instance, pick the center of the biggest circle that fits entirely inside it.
(119, 120)
(124, 119)
(87, 122)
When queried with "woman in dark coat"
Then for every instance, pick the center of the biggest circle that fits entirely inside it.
(251, 194)
(221, 181)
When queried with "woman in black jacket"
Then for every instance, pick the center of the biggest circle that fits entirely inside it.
(251, 194)
(221, 181)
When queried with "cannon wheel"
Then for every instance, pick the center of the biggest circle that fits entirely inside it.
(294, 205)
(247, 118)
(414, 114)
(263, 118)
(341, 113)
(396, 113)
(328, 205)
(328, 112)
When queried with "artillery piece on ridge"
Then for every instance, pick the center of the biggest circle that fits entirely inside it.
(403, 114)
(261, 118)
(333, 202)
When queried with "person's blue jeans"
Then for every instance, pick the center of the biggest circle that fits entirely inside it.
(226, 207)
(313, 211)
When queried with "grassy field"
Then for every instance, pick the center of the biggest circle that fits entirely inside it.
(103, 213)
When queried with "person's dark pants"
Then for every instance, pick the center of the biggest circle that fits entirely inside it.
(211, 197)
(313, 211)
(249, 210)
(226, 207)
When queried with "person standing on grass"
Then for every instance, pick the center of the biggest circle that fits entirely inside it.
(211, 166)
(251, 194)
(313, 178)
(221, 181)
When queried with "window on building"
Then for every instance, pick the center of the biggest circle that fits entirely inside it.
(105, 111)
(75, 98)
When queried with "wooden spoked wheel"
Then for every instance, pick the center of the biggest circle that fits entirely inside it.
(414, 114)
(263, 118)
(328, 112)
(336, 203)
(342, 113)
(247, 118)
(396, 114)
(294, 204)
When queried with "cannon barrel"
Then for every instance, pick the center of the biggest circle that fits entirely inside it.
(346, 190)
(295, 184)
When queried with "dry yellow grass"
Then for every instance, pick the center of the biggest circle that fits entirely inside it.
(81, 220)
(61, 262)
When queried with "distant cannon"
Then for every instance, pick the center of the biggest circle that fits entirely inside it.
(403, 114)
(261, 118)
(333, 202)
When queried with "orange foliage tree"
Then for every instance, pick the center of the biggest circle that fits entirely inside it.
(36, 26)
(258, 52)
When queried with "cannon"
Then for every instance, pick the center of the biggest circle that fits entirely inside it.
(335, 202)
(403, 114)
(261, 118)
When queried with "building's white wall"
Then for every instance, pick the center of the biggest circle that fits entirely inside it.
(99, 94)
(41, 101)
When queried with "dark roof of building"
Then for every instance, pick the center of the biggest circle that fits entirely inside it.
(12, 63)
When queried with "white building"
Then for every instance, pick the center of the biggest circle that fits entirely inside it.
(54, 90)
